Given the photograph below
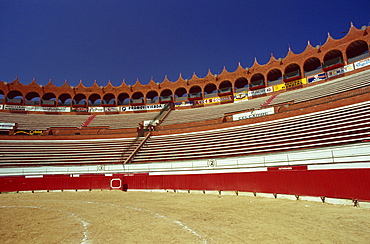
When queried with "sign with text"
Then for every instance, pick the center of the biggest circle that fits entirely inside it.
(362, 63)
(241, 96)
(184, 104)
(253, 114)
(96, 109)
(213, 100)
(290, 84)
(260, 91)
(317, 77)
(340, 70)
(37, 109)
(111, 109)
(142, 107)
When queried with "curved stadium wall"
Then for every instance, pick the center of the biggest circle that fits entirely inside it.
(296, 126)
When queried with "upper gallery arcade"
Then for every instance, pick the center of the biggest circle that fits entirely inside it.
(313, 60)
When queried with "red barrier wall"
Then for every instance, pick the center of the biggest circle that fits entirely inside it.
(334, 183)
(60, 182)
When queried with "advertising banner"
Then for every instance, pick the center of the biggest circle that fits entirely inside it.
(253, 114)
(184, 104)
(147, 122)
(290, 84)
(317, 77)
(37, 109)
(50, 109)
(80, 109)
(269, 89)
(96, 109)
(241, 96)
(213, 100)
(362, 63)
(15, 107)
(340, 70)
(6, 126)
(142, 107)
(256, 92)
(111, 109)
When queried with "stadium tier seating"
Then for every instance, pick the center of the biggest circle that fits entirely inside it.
(117, 121)
(18, 153)
(329, 88)
(348, 124)
(43, 121)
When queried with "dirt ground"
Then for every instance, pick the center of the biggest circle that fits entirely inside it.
(152, 217)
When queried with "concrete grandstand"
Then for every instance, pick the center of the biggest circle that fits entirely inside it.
(297, 126)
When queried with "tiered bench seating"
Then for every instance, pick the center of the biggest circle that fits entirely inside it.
(349, 124)
(210, 112)
(42, 121)
(118, 121)
(325, 89)
(17, 153)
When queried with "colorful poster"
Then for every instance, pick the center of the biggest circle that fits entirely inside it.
(290, 84)
(317, 77)
(279, 87)
(295, 83)
(184, 104)
(340, 70)
(241, 96)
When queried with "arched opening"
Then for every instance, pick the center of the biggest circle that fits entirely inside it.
(210, 90)
(292, 72)
(225, 88)
(109, 100)
(166, 96)
(241, 84)
(14, 97)
(94, 100)
(195, 93)
(333, 60)
(152, 97)
(181, 94)
(274, 77)
(312, 66)
(357, 50)
(79, 100)
(48, 99)
(64, 100)
(257, 82)
(137, 98)
(123, 99)
(32, 98)
(2, 100)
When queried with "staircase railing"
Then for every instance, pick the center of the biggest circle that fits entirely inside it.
(160, 116)
(132, 155)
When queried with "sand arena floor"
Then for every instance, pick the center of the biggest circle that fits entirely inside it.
(152, 217)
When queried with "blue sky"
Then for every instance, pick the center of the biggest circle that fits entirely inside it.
(114, 40)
